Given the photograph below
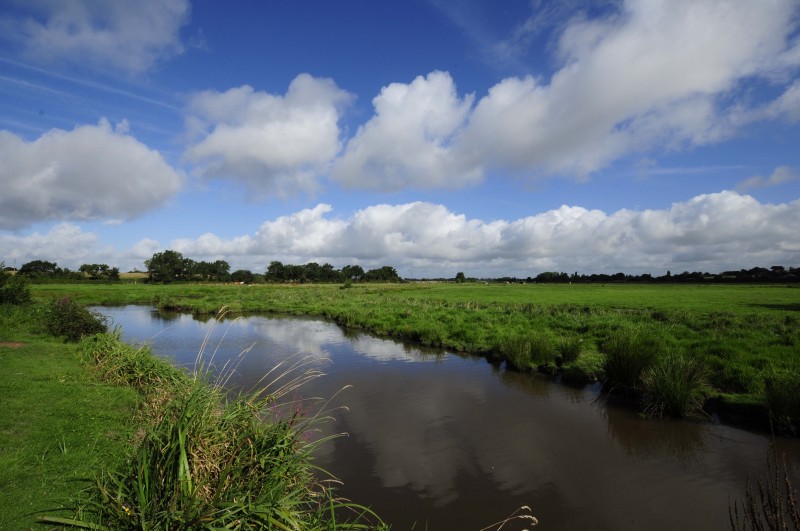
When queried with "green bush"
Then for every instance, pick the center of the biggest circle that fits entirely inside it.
(674, 385)
(13, 289)
(67, 319)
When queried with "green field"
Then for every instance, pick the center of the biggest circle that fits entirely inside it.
(740, 336)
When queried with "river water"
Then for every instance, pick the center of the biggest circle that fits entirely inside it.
(436, 440)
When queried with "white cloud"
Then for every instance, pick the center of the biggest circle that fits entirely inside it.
(91, 172)
(653, 75)
(781, 175)
(275, 145)
(710, 232)
(649, 76)
(66, 244)
(407, 142)
(127, 36)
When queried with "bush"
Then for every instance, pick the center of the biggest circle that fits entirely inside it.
(68, 319)
(674, 385)
(13, 289)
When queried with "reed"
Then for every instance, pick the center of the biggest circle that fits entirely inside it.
(207, 459)
(674, 385)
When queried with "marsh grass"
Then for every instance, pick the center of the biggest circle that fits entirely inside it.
(674, 385)
(782, 393)
(210, 459)
(629, 353)
(527, 351)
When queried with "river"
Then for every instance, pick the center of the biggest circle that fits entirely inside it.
(437, 440)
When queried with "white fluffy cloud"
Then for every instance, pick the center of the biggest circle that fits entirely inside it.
(91, 172)
(781, 175)
(407, 142)
(275, 145)
(66, 244)
(127, 36)
(711, 232)
(662, 74)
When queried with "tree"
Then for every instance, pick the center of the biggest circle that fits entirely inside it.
(383, 274)
(460, 278)
(39, 268)
(352, 272)
(13, 288)
(100, 271)
(275, 272)
(165, 267)
(242, 275)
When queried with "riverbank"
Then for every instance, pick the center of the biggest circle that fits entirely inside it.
(59, 426)
(733, 346)
(101, 433)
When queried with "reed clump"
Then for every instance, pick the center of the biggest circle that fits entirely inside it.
(207, 460)
(629, 353)
(674, 385)
(782, 394)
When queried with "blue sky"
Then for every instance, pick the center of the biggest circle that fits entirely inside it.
(493, 138)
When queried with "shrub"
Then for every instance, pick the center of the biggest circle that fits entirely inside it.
(674, 385)
(68, 319)
(629, 352)
(782, 393)
(13, 289)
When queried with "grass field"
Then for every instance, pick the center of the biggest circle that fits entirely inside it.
(742, 336)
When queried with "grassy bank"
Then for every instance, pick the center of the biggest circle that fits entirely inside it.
(59, 424)
(102, 435)
(673, 346)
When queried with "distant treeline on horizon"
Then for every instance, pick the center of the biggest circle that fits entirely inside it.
(172, 266)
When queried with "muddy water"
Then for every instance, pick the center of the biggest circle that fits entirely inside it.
(441, 441)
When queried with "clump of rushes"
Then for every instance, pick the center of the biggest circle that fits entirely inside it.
(210, 461)
(674, 385)
(527, 351)
(629, 352)
(782, 393)
(569, 348)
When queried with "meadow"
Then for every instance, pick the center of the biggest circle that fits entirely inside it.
(672, 349)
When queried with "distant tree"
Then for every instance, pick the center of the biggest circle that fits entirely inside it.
(165, 267)
(275, 272)
(39, 268)
(100, 271)
(383, 274)
(242, 275)
(352, 272)
(460, 278)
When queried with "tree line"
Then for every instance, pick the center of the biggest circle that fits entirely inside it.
(171, 266)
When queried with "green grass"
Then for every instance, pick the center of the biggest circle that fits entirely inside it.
(59, 425)
(739, 334)
(103, 435)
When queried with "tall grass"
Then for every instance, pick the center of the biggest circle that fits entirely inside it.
(629, 353)
(674, 385)
(782, 393)
(209, 460)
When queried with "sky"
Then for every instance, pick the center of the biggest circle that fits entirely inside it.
(494, 138)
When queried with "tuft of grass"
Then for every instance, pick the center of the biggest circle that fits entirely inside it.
(569, 348)
(782, 393)
(674, 385)
(629, 353)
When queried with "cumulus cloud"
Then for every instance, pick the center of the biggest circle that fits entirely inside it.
(781, 175)
(710, 232)
(126, 36)
(91, 172)
(66, 244)
(650, 75)
(407, 142)
(275, 145)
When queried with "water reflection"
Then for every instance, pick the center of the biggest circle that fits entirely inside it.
(451, 442)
